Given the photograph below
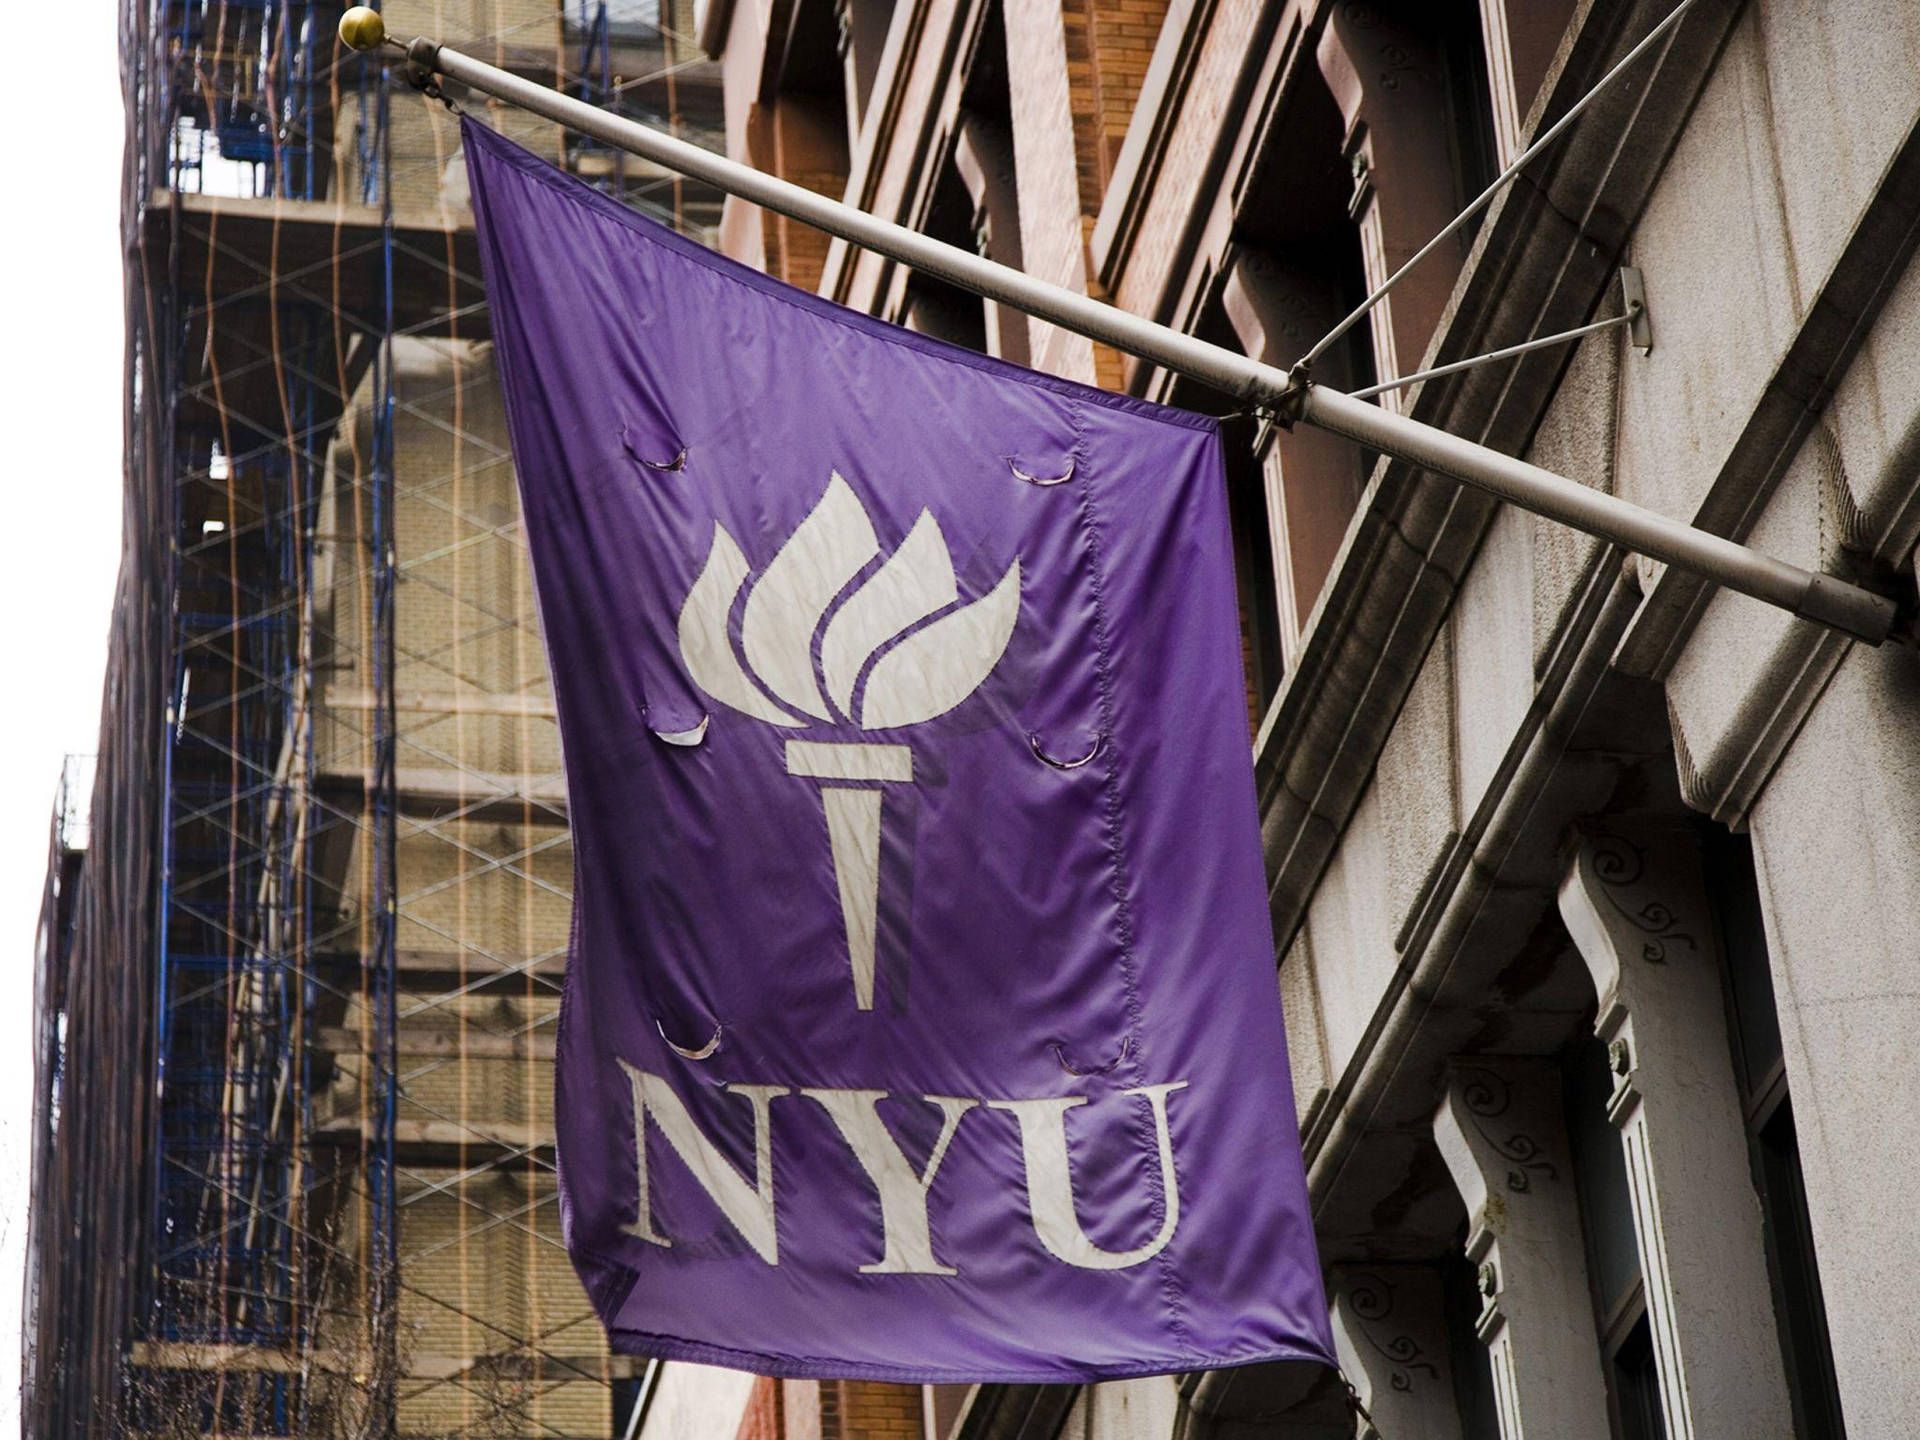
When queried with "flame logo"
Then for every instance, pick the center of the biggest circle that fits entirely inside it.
(906, 680)
(899, 650)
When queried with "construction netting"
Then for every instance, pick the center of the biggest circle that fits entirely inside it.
(301, 1019)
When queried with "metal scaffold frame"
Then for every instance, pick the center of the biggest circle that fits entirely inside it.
(250, 1242)
(288, 997)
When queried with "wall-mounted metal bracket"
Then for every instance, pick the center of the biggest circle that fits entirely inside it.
(1633, 298)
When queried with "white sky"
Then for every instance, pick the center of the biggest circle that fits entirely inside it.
(60, 535)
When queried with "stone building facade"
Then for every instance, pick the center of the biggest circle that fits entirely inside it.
(1593, 889)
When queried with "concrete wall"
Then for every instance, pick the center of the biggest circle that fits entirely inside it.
(1811, 745)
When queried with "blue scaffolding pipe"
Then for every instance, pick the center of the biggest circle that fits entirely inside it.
(234, 993)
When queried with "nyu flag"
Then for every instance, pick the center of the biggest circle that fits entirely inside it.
(920, 1018)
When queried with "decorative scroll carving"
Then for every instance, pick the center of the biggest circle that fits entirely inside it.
(1619, 864)
(1486, 1281)
(1488, 1097)
(1373, 1299)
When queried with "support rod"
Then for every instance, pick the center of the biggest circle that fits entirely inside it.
(1819, 598)
(1485, 197)
(1525, 347)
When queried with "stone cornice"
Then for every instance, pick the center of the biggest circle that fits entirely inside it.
(1850, 298)
(1722, 774)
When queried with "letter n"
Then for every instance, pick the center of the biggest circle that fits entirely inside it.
(748, 1207)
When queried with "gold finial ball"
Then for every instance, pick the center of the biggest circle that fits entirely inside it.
(361, 28)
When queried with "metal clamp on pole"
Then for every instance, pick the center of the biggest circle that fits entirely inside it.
(1822, 599)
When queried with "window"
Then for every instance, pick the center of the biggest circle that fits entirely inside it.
(1296, 270)
(931, 305)
(1633, 1381)
(862, 26)
(1759, 1066)
(1256, 590)
(1472, 1376)
(1613, 1253)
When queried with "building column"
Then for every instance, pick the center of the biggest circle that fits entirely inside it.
(1389, 82)
(1522, 37)
(1313, 477)
(1052, 236)
(1502, 1132)
(1390, 1332)
(1637, 910)
(1836, 841)
(983, 156)
(800, 1410)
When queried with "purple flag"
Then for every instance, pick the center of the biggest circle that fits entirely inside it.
(920, 1019)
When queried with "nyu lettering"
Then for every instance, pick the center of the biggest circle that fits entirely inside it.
(903, 1194)
(748, 1202)
(748, 1206)
(1043, 1145)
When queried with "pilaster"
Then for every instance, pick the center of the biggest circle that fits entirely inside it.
(1390, 81)
(1051, 232)
(1638, 913)
(983, 156)
(1502, 1132)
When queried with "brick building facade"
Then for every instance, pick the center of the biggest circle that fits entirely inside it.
(1592, 888)
(843, 1410)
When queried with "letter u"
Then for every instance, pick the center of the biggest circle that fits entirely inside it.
(1043, 1146)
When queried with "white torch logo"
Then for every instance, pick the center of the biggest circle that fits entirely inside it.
(871, 673)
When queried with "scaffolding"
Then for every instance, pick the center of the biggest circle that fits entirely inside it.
(296, 1006)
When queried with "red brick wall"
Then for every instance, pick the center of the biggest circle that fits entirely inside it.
(875, 1410)
(762, 1420)
(810, 149)
(1195, 130)
(1109, 45)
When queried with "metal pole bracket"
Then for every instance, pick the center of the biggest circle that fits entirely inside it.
(1633, 294)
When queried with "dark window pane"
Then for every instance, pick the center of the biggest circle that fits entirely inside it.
(1470, 123)
(1472, 1371)
(1606, 1205)
(1797, 1304)
(1728, 860)
(1636, 1386)
(626, 1395)
(1253, 567)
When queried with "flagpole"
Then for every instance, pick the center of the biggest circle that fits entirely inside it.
(1294, 397)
